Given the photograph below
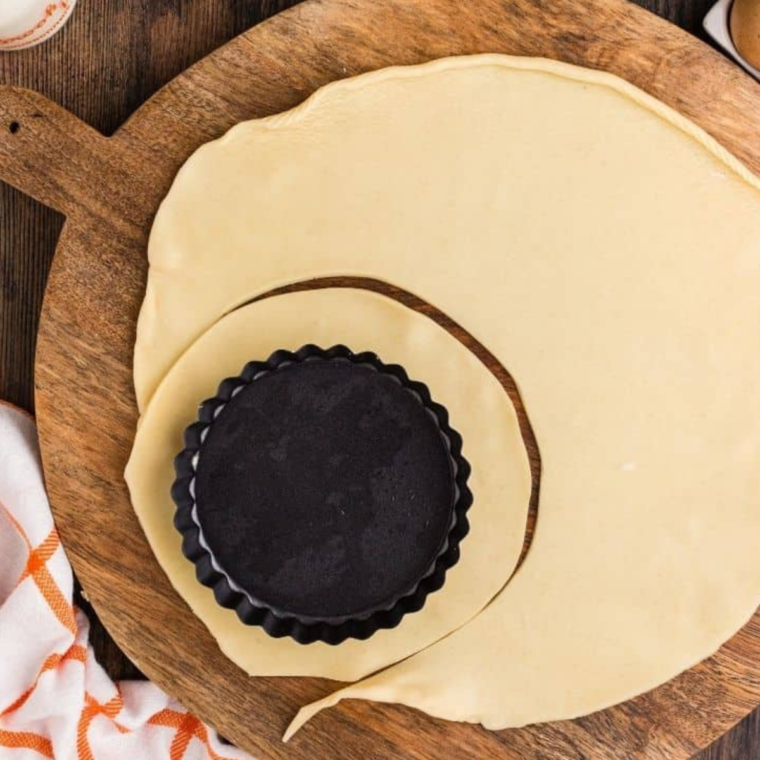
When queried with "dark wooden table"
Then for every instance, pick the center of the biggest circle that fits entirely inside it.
(109, 59)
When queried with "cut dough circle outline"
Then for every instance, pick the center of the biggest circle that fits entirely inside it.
(474, 397)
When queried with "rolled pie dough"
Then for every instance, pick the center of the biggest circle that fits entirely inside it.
(607, 252)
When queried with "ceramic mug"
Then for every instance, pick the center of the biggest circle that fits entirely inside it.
(24, 23)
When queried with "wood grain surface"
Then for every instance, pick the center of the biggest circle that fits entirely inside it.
(109, 59)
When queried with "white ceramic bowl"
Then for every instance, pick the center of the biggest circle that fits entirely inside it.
(717, 25)
(25, 23)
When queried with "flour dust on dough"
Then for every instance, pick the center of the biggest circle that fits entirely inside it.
(607, 252)
(478, 406)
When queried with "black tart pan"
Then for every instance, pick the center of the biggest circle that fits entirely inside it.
(322, 494)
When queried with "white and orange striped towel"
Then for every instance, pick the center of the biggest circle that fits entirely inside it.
(55, 700)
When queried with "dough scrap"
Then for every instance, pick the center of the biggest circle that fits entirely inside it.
(607, 252)
(479, 407)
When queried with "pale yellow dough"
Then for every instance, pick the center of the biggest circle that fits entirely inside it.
(479, 408)
(607, 251)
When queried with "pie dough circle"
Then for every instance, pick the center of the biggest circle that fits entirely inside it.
(479, 408)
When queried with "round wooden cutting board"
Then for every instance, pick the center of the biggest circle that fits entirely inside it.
(109, 189)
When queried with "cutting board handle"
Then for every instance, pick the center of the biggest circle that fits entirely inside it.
(47, 152)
